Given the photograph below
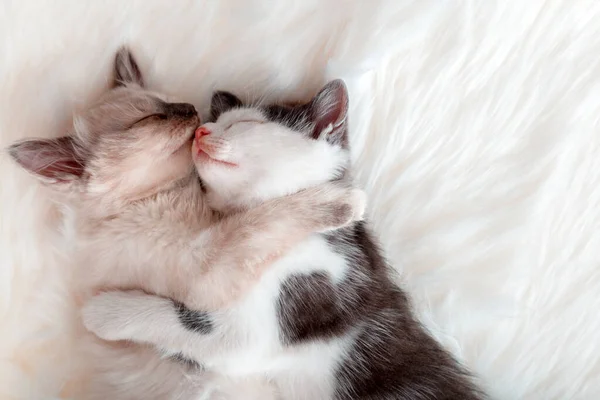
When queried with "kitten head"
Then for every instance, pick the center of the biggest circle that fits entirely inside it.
(130, 144)
(250, 154)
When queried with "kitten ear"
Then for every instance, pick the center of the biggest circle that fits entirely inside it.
(50, 160)
(329, 110)
(221, 102)
(126, 69)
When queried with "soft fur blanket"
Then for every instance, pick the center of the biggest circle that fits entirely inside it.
(475, 131)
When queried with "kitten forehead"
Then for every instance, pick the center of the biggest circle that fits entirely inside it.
(241, 114)
(131, 95)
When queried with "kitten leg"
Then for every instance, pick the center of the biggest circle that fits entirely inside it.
(143, 318)
(242, 246)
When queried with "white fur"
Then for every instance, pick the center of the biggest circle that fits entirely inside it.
(474, 128)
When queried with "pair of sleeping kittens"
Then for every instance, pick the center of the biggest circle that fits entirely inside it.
(248, 264)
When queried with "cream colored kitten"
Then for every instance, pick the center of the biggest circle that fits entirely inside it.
(138, 217)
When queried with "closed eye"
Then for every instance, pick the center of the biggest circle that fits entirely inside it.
(159, 116)
(246, 121)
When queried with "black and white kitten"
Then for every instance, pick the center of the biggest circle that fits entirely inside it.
(325, 321)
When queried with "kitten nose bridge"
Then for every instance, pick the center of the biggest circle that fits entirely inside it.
(181, 110)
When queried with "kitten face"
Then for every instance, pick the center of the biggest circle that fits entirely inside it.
(128, 145)
(249, 154)
(137, 142)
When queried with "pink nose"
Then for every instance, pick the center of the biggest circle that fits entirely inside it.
(202, 131)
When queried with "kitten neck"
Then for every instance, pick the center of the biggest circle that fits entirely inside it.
(183, 196)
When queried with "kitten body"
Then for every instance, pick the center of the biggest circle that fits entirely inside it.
(325, 321)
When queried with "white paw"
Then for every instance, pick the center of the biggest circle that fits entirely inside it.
(109, 314)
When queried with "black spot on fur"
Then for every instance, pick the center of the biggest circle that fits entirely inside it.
(196, 321)
(295, 118)
(307, 308)
(181, 359)
(221, 102)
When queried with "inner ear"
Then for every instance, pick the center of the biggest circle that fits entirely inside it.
(222, 102)
(328, 110)
(54, 160)
(126, 69)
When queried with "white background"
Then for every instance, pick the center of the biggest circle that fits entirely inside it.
(475, 130)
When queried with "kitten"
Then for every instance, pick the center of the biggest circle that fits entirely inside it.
(326, 321)
(136, 213)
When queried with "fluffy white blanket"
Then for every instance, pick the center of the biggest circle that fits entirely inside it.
(475, 130)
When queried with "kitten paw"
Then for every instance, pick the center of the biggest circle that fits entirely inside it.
(352, 209)
(348, 206)
(109, 314)
(358, 203)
